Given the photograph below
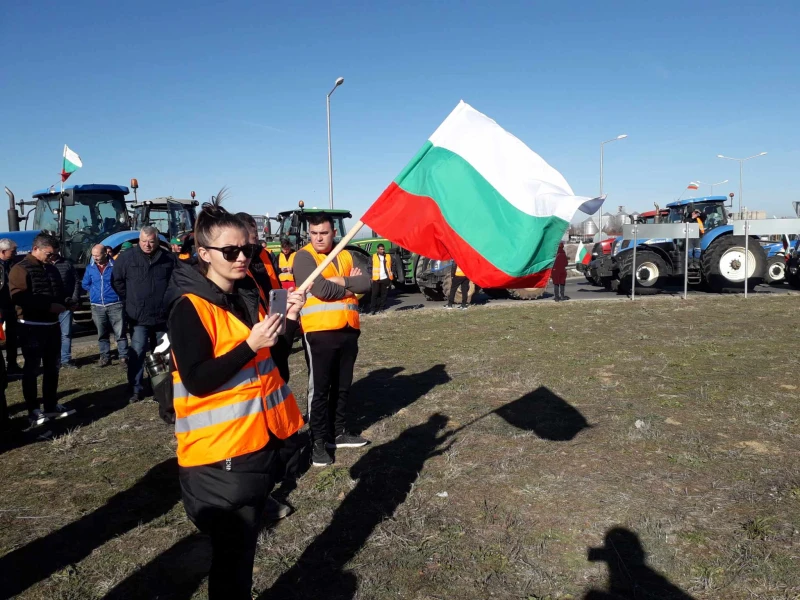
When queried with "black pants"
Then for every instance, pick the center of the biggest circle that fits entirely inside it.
(457, 282)
(41, 345)
(12, 336)
(559, 290)
(228, 506)
(331, 356)
(380, 290)
(3, 386)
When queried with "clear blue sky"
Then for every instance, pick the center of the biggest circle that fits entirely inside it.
(197, 95)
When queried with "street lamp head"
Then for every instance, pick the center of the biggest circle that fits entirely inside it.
(720, 156)
(339, 81)
(762, 154)
(622, 137)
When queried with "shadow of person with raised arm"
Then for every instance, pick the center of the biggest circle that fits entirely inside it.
(151, 497)
(385, 391)
(629, 577)
(385, 475)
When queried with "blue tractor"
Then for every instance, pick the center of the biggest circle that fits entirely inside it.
(716, 260)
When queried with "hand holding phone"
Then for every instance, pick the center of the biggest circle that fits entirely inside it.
(277, 306)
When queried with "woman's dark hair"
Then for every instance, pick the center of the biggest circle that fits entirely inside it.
(211, 220)
(247, 219)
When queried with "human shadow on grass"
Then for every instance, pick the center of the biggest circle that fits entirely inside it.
(385, 391)
(629, 576)
(88, 408)
(151, 497)
(385, 475)
(19, 407)
(546, 414)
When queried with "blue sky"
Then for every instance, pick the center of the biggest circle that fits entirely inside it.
(196, 95)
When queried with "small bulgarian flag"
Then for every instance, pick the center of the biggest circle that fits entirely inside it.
(583, 256)
(691, 186)
(476, 194)
(72, 162)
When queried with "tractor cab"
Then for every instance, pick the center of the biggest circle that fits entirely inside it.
(293, 225)
(173, 217)
(81, 216)
(711, 207)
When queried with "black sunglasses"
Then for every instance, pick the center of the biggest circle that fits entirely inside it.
(231, 253)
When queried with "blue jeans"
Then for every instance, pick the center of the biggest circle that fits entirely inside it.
(65, 320)
(110, 319)
(143, 338)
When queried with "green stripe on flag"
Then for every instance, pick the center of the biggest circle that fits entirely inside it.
(515, 242)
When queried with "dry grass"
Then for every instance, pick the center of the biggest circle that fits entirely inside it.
(525, 452)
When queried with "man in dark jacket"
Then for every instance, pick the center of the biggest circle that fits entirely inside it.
(39, 300)
(8, 312)
(141, 277)
(107, 310)
(72, 289)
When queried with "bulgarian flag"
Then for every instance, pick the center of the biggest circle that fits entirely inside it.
(72, 162)
(476, 194)
(583, 256)
(692, 186)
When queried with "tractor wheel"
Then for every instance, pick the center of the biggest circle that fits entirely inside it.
(651, 271)
(526, 293)
(363, 261)
(446, 291)
(723, 264)
(776, 271)
(432, 294)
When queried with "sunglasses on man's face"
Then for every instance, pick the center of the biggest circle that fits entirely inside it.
(231, 253)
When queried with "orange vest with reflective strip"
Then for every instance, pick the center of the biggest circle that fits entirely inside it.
(459, 272)
(700, 224)
(240, 415)
(376, 267)
(330, 315)
(285, 263)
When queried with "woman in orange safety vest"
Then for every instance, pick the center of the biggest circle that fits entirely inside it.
(286, 265)
(233, 410)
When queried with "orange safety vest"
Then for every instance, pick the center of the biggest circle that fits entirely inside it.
(266, 258)
(376, 267)
(702, 227)
(330, 315)
(285, 263)
(184, 256)
(459, 272)
(240, 415)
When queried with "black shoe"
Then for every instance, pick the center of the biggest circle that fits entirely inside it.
(565, 297)
(320, 457)
(557, 299)
(103, 362)
(347, 440)
(69, 365)
(135, 398)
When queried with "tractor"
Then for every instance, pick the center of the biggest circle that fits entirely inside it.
(718, 261)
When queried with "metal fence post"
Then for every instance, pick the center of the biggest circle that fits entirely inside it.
(746, 253)
(686, 267)
(633, 270)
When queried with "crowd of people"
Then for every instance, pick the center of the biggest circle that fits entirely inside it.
(235, 418)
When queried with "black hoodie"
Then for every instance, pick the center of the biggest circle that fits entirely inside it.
(201, 372)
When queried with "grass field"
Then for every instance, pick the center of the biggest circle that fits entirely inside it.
(531, 451)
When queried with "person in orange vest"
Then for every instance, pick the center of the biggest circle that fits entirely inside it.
(286, 264)
(459, 280)
(331, 327)
(382, 277)
(234, 413)
(696, 217)
(262, 267)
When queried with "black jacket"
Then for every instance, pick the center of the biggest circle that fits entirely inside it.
(141, 282)
(34, 287)
(69, 280)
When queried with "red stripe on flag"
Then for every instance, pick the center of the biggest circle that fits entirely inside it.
(64, 176)
(416, 223)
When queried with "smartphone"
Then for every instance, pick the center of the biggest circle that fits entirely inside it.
(277, 306)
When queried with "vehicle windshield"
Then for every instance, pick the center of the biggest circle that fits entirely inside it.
(171, 220)
(713, 214)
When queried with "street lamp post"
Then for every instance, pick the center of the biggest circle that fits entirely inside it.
(712, 184)
(600, 213)
(741, 171)
(339, 82)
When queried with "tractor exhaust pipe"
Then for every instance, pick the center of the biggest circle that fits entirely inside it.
(13, 215)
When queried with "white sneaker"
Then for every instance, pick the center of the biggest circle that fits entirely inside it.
(59, 412)
(37, 417)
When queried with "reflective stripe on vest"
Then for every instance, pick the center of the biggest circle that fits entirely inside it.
(239, 416)
(285, 263)
(330, 315)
